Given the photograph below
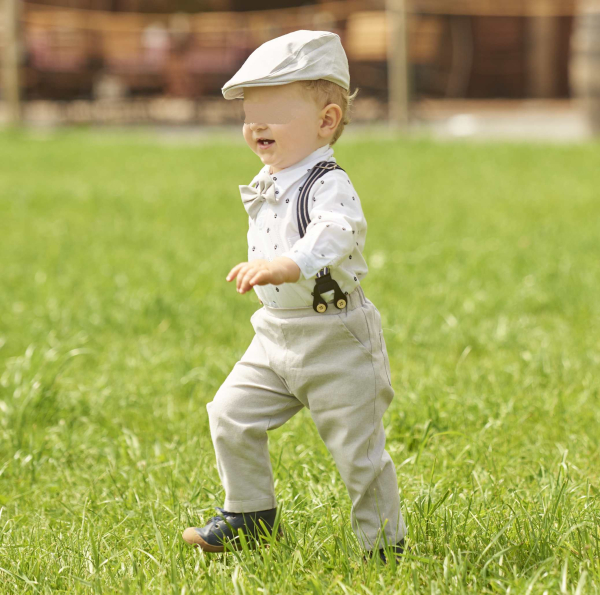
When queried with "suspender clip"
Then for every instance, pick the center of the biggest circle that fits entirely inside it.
(324, 284)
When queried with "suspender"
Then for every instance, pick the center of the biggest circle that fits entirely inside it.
(324, 281)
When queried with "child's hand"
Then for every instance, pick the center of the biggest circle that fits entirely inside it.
(262, 272)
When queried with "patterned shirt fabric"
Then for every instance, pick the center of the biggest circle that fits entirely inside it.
(334, 238)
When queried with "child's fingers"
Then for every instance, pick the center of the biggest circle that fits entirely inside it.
(234, 271)
(252, 277)
(242, 273)
(244, 277)
(232, 274)
(261, 278)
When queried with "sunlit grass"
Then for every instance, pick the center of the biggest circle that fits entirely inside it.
(117, 327)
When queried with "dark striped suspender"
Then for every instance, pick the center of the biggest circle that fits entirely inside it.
(324, 282)
(316, 172)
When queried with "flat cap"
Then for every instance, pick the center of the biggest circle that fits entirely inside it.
(298, 56)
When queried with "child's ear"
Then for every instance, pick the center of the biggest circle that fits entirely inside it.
(331, 116)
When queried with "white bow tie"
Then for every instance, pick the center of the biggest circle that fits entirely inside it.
(253, 196)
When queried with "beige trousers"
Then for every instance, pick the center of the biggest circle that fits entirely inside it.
(336, 365)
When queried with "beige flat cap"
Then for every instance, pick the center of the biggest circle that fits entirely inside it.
(298, 56)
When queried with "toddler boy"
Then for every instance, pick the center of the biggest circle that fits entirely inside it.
(318, 340)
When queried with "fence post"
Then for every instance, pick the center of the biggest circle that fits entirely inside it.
(542, 56)
(398, 90)
(10, 61)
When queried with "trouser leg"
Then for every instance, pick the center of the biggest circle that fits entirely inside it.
(252, 400)
(347, 398)
(358, 448)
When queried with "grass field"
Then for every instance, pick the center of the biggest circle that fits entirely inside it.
(117, 327)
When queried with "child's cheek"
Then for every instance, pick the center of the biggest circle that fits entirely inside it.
(280, 133)
(248, 137)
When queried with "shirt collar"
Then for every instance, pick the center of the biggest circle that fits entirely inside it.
(289, 175)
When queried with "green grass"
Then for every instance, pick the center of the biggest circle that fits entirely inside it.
(117, 327)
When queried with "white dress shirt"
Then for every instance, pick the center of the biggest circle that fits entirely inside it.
(334, 238)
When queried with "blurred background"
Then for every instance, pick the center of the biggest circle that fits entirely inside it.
(526, 68)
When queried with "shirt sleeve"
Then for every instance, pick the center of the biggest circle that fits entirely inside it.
(336, 220)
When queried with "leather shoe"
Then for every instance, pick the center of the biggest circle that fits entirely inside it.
(224, 528)
(397, 550)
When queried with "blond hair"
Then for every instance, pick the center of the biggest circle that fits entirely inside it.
(325, 92)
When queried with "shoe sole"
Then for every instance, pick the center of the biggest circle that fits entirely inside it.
(206, 547)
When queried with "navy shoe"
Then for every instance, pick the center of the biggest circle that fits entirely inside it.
(398, 551)
(224, 528)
